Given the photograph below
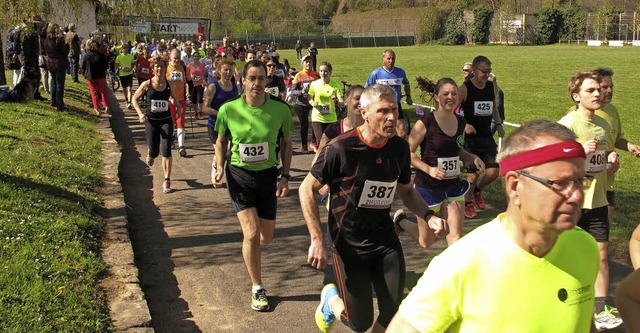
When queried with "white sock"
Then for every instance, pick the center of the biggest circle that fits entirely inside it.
(181, 136)
(255, 289)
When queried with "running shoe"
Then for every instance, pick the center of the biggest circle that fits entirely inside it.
(478, 201)
(469, 212)
(129, 106)
(314, 147)
(613, 311)
(605, 320)
(259, 301)
(166, 186)
(96, 112)
(150, 160)
(324, 316)
(182, 152)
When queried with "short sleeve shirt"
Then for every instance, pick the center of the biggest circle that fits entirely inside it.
(325, 111)
(396, 78)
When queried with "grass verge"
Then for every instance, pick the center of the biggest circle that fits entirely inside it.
(50, 228)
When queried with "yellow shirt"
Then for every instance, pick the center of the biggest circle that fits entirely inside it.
(610, 114)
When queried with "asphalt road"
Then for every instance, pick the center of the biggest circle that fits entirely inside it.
(187, 244)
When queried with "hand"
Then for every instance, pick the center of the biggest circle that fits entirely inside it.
(282, 189)
(634, 149)
(324, 190)
(333, 98)
(436, 173)
(217, 179)
(590, 146)
(614, 161)
(317, 255)
(142, 119)
(500, 131)
(409, 100)
(179, 111)
(469, 129)
(479, 164)
(438, 225)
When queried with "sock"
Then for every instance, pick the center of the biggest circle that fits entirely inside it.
(600, 303)
(255, 289)
(467, 203)
(181, 135)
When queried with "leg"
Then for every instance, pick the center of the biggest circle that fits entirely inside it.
(54, 88)
(354, 306)
(102, 88)
(602, 280)
(455, 219)
(93, 89)
(251, 231)
(61, 78)
(634, 248)
(388, 277)
(303, 118)
(490, 175)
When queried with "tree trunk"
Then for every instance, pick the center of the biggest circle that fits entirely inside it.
(3, 78)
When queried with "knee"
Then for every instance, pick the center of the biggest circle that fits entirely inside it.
(360, 324)
(266, 239)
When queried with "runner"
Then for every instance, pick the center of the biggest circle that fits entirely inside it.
(124, 66)
(195, 74)
(177, 79)
(480, 104)
(323, 95)
(594, 134)
(364, 168)
(142, 68)
(258, 125)
(528, 270)
(440, 137)
(157, 120)
(217, 94)
(351, 121)
(396, 78)
(300, 89)
(275, 84)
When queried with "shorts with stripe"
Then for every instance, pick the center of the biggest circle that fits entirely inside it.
(434, 197)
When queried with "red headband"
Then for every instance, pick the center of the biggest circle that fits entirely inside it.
(556, 151)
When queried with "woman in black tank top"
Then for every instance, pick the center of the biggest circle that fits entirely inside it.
(440, 136)
(157, 117)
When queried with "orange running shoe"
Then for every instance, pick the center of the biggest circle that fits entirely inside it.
(469, 212)
(479, 202)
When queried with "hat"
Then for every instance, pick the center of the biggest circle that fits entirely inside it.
(305, 58)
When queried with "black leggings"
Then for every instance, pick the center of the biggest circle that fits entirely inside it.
(197, 94)
(303, 116)
(354, 275)
(159, 137)
(318, 130)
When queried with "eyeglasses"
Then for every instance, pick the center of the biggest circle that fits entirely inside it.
(485, 71)
(564, 186)
(466, 70)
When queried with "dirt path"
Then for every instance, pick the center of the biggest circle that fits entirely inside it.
(187, 244)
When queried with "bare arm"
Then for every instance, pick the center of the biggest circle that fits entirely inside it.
(323, 142)
(285, 156)
(417, 135)
(467, 157)
(627, 298)
(416, 204)
(134, 101)
(208, 97)
(317, 257)
(220, 158)
(407, 93)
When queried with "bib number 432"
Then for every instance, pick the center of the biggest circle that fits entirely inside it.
(253, 153)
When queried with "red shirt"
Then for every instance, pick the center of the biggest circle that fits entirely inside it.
(143, 67)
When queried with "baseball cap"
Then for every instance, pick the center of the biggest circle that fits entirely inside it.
(305, 58)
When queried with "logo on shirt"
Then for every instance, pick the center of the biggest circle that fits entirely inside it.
(378, 160)
(460, 141)
(576, 296)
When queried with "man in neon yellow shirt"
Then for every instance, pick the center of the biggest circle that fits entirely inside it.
(530, 269)
(124, 65)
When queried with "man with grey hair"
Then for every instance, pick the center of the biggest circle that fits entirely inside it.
(528, 264)
(364, 169)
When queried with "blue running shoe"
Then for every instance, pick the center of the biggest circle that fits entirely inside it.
(324, 317)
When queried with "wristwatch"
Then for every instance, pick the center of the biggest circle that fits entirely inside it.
(285, 176)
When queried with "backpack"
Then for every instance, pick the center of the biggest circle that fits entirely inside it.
(12, 61)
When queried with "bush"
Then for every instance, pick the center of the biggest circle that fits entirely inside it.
(481, 20)
(549, 22)
(431, 25)
(574, 23)
(454, 30)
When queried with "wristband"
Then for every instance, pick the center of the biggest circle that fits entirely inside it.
(428, 215)
(285, 176)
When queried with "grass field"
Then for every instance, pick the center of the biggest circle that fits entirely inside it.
(534, 80)
(50, 229)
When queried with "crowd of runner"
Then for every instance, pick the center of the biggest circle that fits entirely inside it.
(529, 270)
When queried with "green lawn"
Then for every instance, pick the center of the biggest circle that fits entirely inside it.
(50, 228)
(534, 80)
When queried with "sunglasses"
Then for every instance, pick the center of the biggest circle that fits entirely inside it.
(466, 70)
(271, 65)
(485, 71)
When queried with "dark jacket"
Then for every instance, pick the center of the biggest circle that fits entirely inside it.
(94, 65)
(57, 51)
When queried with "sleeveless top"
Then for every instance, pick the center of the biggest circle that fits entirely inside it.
(478, 108)
(158, 102)
(437, 144)
(219, 98)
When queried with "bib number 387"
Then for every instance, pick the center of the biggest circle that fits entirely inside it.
(253, 153)
(377, 195)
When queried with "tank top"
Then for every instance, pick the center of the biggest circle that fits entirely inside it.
(219, 98)
(478, 108)
(158, 103)
(438, 145)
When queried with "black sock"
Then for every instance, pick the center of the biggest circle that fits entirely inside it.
(600, 303)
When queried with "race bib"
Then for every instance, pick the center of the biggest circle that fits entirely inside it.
(324, 108)
(254, 152)
(273, 91)
(450, 165)
(176, 76)
(390, 82)
(483, 108)
(159, 105)
(197, 78)
(144, 70)
(595, 162)
(377, 195)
